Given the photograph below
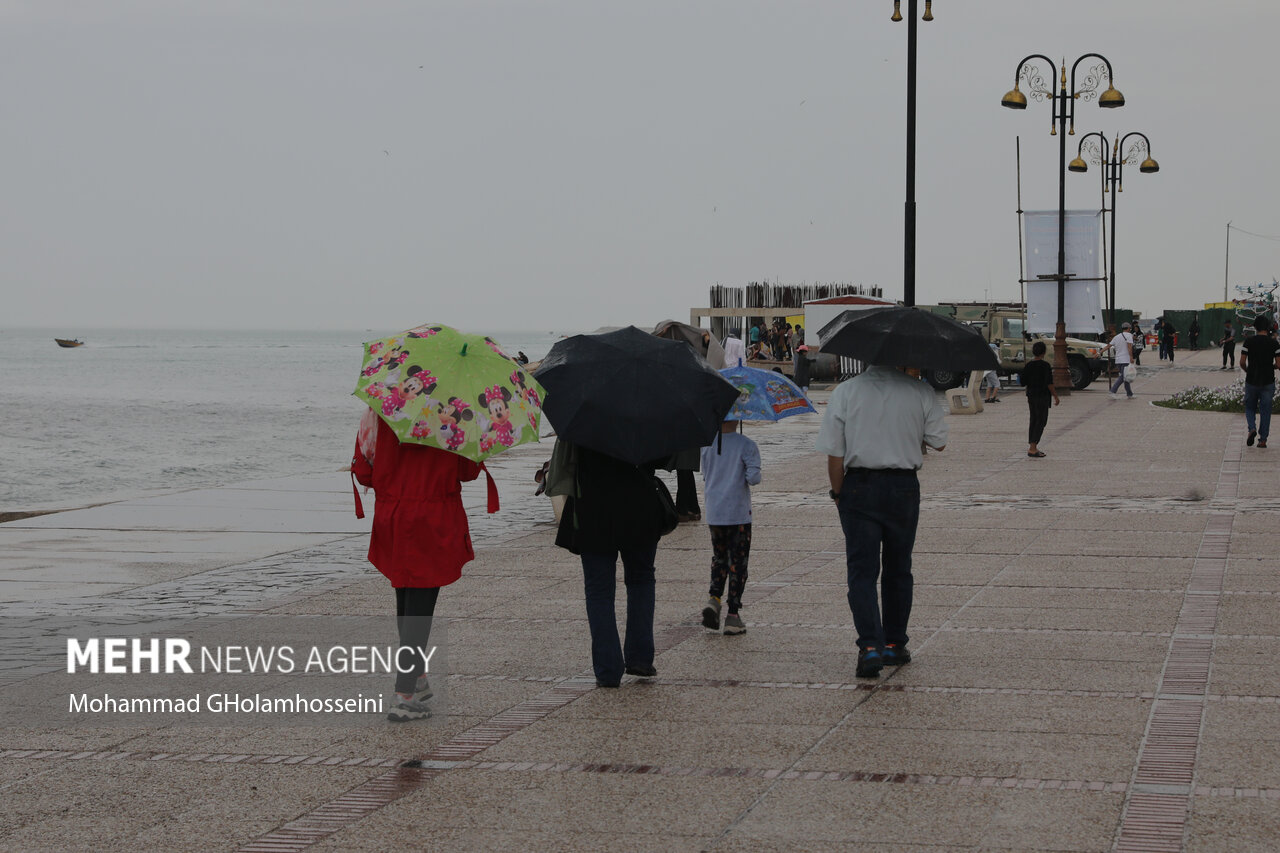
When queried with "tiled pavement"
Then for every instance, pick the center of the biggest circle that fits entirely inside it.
(1095, 639)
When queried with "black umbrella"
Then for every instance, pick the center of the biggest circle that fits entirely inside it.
(632, 395)
(907, 337)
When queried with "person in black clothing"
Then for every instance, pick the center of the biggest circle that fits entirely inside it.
(1228, 346)
(616, 511)
(1259, 358)
(1167, 339)
(1037, 376)
(1139, 343)
(1194, 331)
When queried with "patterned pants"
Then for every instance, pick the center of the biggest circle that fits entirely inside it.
(730, 548)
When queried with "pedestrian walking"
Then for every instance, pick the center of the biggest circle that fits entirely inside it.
(873, 433)
(1228, 346)
(1139, 343)
(616, 511)
(1259, 358)
(1037, 377)
(730, 467)
(1170, 337)
(1193, 332)
(801, 364)
(992, 379)
(420, 542)
(1122, 345)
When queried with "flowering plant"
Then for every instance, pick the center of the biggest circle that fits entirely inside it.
(1228, 398)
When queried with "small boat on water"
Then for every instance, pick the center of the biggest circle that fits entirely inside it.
(64, 342)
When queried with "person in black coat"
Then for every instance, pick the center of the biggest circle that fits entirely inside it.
(616, 511)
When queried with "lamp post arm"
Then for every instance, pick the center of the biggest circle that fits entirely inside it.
(1076, 93)
(1111, 78)
(1017, 72)
(1125, 138)
(1101, 137)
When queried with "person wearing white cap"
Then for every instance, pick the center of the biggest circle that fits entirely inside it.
(1123, 346)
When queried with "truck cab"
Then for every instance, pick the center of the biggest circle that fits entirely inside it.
(1007, 329)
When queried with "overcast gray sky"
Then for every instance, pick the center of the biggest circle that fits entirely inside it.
(502, 164)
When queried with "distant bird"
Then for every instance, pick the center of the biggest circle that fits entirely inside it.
(385, 151)
(714, 209)
(802, 103)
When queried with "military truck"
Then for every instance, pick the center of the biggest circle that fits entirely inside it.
(1006, 326)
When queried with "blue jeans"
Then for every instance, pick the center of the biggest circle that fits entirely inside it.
(1122, 378)
(879, 513)
(599, 581)
(1257, 399)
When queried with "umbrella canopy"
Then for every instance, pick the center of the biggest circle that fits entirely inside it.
(907, 337)
(700, 339)
(439, 387)
(633, 396)
(764, 395)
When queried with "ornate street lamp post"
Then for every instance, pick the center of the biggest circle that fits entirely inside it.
(909, 216)
(1064, 114)
(1113, 175)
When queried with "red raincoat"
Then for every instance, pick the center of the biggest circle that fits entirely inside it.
(420, 533)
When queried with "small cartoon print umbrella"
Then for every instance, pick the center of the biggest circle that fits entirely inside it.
(764, 395)
(439, 387)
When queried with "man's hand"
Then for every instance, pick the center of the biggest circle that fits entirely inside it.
(835, 472)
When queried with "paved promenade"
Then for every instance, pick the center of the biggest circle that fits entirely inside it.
(1096, 638)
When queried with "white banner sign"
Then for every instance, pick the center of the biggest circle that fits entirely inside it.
(1083, 298)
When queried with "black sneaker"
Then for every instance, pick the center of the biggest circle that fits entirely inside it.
(895, 655)
(1252, 435)
(405, 710)
(869, 663)
(649, 671)
(711, 614)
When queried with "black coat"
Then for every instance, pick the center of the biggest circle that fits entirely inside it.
(617, 507)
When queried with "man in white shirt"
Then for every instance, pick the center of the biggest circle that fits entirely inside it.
(1123, 346)
(873, 432)
(735, 352)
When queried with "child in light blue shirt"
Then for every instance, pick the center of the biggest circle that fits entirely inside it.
(730, 467)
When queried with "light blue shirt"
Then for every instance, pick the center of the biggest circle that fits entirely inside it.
(878, 419)
(727, 478)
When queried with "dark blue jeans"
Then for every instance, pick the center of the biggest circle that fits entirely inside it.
(1257, 400)
(879, 513)
(599, 580)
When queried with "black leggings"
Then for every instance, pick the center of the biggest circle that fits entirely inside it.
(1039, 407)
(415, 607)
(1229, 351)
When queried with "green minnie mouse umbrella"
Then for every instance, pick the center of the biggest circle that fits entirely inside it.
(439, 387)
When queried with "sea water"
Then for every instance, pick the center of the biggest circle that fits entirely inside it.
(136, 412)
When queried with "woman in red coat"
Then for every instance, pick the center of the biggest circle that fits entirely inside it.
(420, 540)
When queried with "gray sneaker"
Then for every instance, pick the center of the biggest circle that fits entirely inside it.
(422, 690)
(711, 614)
(405, 710)
(733, 624)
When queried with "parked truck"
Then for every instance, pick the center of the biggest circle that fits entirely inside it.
(1006, 327)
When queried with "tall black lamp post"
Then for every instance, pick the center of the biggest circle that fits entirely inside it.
(1064, 114)
(909, 216)
(1113, 176)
